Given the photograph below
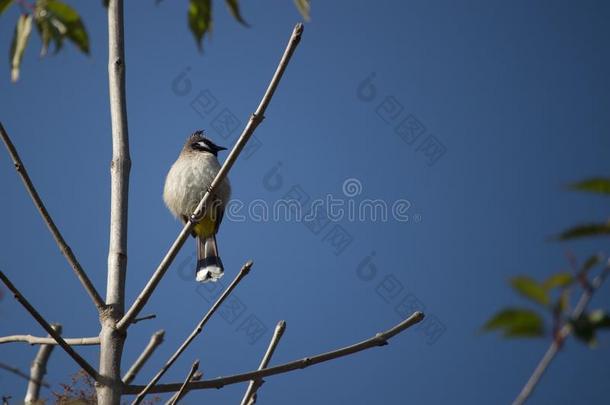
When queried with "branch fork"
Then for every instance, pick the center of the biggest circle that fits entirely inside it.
(220, 382)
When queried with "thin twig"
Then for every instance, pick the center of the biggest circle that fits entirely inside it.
(564, 332)
(196, 377)
(144, 318)
(35, 340)
(242, 273)
(20, 373)
(155, 340)
(187, 380)
(200, 211)
(60, 341)
(59, 239)
(379, 339)
(38, 370)
(250, 395)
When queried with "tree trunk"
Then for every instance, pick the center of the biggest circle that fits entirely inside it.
(111, 340)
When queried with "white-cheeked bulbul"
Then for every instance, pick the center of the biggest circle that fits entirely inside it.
(187, 181)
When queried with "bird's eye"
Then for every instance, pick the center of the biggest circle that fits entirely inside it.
(200, 146)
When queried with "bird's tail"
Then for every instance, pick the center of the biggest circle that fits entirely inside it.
(209, 265)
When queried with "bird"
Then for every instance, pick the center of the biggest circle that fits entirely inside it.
(186, 183)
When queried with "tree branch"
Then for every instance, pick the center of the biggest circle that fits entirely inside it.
(242, 273)
(200, 211)
(20, 373)
(61, 243)
(60, 341)
(112, 340)
(144, 318)
(195, 377)
(379, 339)
(254, 385)
(35, 340)
(38, 370)
(121, 161)
(155, 340)
(182, 389)
(564, 332)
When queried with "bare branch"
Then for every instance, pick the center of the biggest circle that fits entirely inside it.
(60, 341)
(195, 377)
(250, 395)
(144, 318)
(379, 339)
(38, 370)
(242, 273)
(182, 389)
(112, 340)
(35, 340)
(121, 162)
(564, 332)
(200, 211)
(155, 340)
(59, 239)
(20, 373)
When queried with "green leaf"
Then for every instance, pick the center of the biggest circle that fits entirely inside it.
(69, 24)
(587, 230)
(531, 289)
(4, 5)
(515, 322)
(44, 30)
(234, 8)
(587, 325)
(200, 19)
(563, 279)
(563, 302)
(47, 33)
(23, 28)
(583, 330)
(595, 185)
(303, 7)
(47, 30)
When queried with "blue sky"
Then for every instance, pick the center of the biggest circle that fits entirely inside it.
(515, 96)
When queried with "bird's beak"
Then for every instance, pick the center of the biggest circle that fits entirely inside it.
(219, 148)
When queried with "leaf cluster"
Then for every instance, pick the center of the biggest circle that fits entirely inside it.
(597, 185)
(552, 295)
(57, 22)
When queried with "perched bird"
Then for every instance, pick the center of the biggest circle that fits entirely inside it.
(187, 181)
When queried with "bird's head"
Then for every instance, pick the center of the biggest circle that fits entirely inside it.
(198, 143)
